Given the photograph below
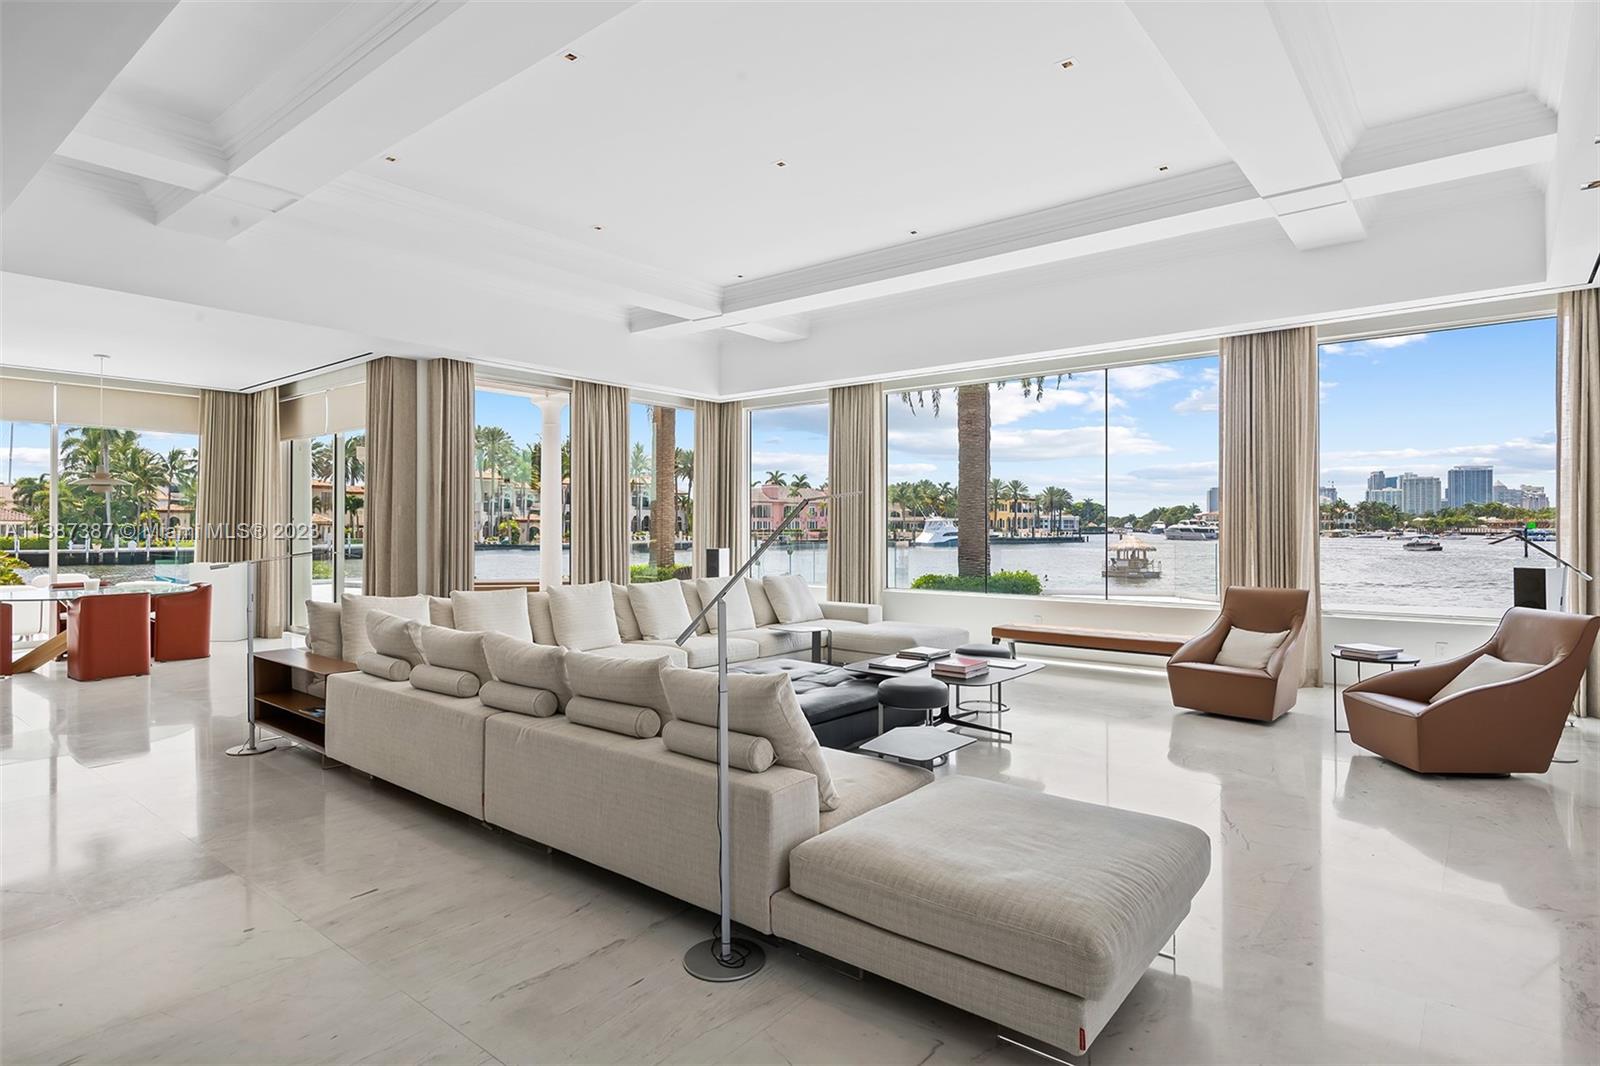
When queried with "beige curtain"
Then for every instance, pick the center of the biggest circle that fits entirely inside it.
(599, 483)
(856, 479)
(241, 503)
(1268, 396)
(1578, 462)
(451, 436)
(391, 503)
(721, 489)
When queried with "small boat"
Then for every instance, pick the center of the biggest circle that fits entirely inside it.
(1158, 529)
(1130, 561)
(1374, 535)
(937, 533)
(1423, 543)
(1191, 530)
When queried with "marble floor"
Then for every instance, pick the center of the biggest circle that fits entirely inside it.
(165, 903)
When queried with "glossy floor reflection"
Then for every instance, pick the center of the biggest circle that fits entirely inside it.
(165, 903)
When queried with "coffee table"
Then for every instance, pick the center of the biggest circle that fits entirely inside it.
(962, 719)
(922, 745)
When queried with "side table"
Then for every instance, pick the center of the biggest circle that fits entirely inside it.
(280, 707)
(1401, 660)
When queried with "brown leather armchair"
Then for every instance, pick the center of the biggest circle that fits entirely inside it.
(108, 636)
(1511, 727)
(180, 628)
(1198, 683)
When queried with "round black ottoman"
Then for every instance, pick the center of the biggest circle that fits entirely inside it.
(917, 692)
(996, 703)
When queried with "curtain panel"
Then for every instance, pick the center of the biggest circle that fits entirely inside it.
(451, 437)
(857, 483)
(1268, 399)
(241, 507)
(721, 491)
(391, 503)
(1578, 462)
(599, 483)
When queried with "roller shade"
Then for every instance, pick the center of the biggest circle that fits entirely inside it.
(30, 400)
(26, 400)
(336, 410)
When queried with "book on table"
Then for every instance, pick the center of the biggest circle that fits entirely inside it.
(899, 663)
(960, 667)
(926, 653)
(1375, 652)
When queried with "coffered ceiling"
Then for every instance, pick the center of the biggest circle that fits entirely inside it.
(737, 198)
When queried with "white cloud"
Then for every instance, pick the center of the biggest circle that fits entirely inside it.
(813, 465)
(1070, 443)
(1334, 349)
(1202, 398)
(910, 471)
(1009, 405)
(1398, 341)
(1376, 344)
(1142, 376)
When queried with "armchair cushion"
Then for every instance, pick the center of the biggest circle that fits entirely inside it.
(1484, 670)
(1248, 649)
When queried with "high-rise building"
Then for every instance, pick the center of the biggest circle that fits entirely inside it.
(1214, 499)
(1376, 480)
(1506, 495)
(1534, 498)
(1328, 494)
(1467, 485)
(1418, 494)
(1388, 496)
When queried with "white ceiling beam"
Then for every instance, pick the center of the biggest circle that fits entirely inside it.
(1572, 212)
(1233, 63)
(56, 59)
(777, 330)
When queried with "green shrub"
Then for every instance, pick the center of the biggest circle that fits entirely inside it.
(1009, 582)
(644, 573)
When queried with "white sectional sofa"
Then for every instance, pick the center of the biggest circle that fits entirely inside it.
(1036, 912)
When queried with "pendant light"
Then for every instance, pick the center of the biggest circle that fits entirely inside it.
(101, 480)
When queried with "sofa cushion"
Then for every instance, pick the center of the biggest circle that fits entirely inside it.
(1071, 895)
(626, 719)
(440, 613)
(751, 754)
(762, 705)
(770, 641)
(584, 616)
(544, 629)
(632, 681)
(865, 782)
(791, 598)
(395, 637)
(661, 652)
(622, 607)
(1484, 670)
(445, 681)
(502, 696)
(701, 651)
(660, 609)
(455, 649)
(885, 638)
(530, 665)
(353, 618)
(1248, 649)
(741, 615)
(323, 633)
(496, 611)
(385, 666)
(760, 605)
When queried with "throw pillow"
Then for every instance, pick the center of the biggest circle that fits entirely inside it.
(584, 616)
(544, 630)
(627, 624)
(353, 618)
(659, 606)
(446, 682)
(396, 637)
(514, 698)
(533, 666)
(385, 666)
(745, 752)
(760, 605)
(322, 629)
(1484, 670)
(791, 598)
(499, 611)
(439, 612)
(1248, 649)
(455, 649)
(741, 614)
(631, 681)
(623, 718)
(691, 598)
(762, 705)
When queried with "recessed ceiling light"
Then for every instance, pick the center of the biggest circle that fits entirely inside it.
(1068, 63)
(597, 228)
(571, 57)
(1162, 167)
(779, 163)
(738, 275)
(391, 159)
(913, 233)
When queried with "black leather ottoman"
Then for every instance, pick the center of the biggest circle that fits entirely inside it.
(841, 707)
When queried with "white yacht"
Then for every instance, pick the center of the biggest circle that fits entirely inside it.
(937, 533)
(1191, 529)
(1158, 529)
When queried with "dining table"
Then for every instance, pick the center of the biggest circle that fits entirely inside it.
(56, 645)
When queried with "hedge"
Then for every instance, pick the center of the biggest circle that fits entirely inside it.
(1010, 582)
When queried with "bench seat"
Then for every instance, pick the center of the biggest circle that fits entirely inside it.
(1164, 644)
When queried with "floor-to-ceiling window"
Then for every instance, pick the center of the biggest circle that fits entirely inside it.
(25, 499)
(513, 478)
(327, 497)
(789, 468)
(660, 480)
(1006, 486)
(1435, 445)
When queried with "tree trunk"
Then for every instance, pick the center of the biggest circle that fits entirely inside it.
(664, 507)
(972, 489)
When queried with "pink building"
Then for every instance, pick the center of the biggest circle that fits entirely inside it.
(769, 503)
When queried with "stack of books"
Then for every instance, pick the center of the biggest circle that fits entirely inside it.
(960, 668)
(926, 654)
(1372, 652)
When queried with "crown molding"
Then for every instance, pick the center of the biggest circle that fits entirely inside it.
(1306, 30)
(1517, 119)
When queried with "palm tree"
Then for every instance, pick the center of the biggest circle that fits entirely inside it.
(683, 458)
(776, 477)
(1016, 494)
(664, 505)
(972, 476)
(798, 482)
(494, 446)
(322, 460)
(177, 470)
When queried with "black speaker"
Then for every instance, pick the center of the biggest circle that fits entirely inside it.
(1536, 586)
(718, 563)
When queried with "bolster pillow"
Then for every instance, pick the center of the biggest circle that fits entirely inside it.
(385, 666)
(503, 696)
(623, 718)
(745, 752)
(444, 681)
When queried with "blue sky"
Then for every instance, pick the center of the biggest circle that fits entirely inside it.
(26, 451)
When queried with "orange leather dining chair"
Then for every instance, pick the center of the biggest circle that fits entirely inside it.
(5, 639)
(180, 627)
(108, 636)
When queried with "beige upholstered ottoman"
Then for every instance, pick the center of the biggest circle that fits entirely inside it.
(1038, 912)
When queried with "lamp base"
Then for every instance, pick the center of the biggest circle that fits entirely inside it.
(258, 748)
(705, 962)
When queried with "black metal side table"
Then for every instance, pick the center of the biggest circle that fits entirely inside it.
(1399, 660)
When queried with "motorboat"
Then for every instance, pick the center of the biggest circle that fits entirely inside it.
(938, 533)
(1158, 529)
(1423, 543)
(1130, 561)
(1191, 530)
